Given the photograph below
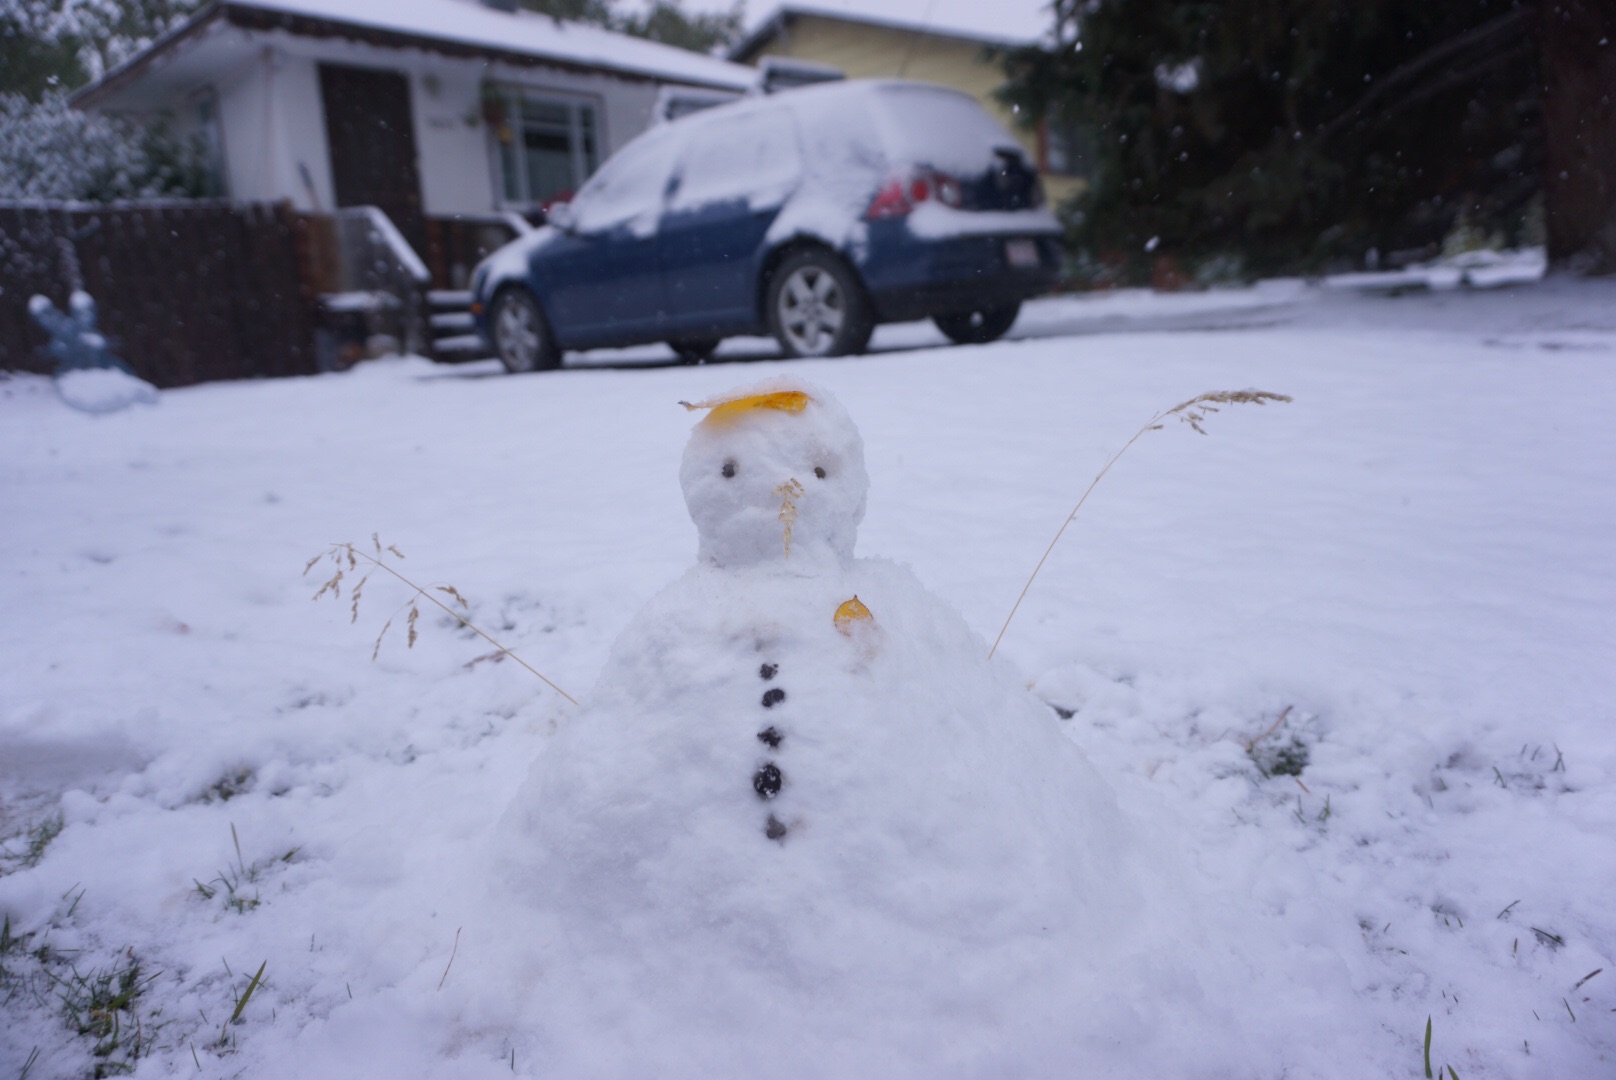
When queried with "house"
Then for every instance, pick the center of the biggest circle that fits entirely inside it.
(958, 44)
(430, 110)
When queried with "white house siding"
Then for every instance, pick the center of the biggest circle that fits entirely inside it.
(269, 118)
(274, 118)
(246, 147)
(273, 121)
(450, 140)
(270, 127)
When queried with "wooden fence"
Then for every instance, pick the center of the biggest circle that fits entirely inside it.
(187, 292)
(191, 292)
(455, 245)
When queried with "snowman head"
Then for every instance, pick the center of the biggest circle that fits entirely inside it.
(774, 475)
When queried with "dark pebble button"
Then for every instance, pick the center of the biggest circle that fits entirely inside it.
(770, 736)
(766, 781)
(775, 829)
(773, 696)
(768, 671)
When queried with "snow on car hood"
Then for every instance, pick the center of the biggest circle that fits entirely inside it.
(511, 261)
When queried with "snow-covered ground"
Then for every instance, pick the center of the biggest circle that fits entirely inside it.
(1353, 658)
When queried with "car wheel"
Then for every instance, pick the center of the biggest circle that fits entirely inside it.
(522, 338)
(978, 327)
(694, 350)
(817, 307)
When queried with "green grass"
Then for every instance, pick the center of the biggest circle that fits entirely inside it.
(35, 840)
(234, 881)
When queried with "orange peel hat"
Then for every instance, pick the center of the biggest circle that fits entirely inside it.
(725, 409)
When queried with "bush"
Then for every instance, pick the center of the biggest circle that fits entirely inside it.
(50, 151)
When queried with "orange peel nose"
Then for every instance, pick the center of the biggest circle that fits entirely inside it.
(851, 612)
(725, 409)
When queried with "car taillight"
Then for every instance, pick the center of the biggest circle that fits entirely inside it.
(902, 194)
(890, 202)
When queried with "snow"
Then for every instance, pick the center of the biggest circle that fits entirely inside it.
(848, 137)
(103, 390)
(744, 152)
(933, 219)
(628, 191)
(1398, 585)
(1016, 22)
(397, 246)
(1472, 269)
(471, 22)
(937, 127)
(746, 473)
(815, 806)
(358, 301)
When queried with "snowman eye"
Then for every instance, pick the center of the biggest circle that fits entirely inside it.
(819, 471)
(728, 470)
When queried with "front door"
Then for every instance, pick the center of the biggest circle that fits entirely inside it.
(370, 129)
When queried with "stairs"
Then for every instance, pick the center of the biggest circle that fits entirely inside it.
(454, 337)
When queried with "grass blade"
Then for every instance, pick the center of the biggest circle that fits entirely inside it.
(247, 994)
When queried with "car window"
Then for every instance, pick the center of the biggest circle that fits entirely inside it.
(946, 130)
(629, 188)
(751, 156)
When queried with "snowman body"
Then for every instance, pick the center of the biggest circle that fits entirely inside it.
(798, 772)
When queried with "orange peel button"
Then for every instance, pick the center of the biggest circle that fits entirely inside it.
(726, 409)
(850, 613)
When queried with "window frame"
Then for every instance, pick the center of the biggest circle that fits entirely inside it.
(508, 98)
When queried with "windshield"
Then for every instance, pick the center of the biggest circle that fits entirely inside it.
(630, 186)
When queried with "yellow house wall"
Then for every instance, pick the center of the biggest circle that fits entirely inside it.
(875, 52)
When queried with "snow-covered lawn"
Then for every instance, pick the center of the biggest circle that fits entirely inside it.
(1353, 656)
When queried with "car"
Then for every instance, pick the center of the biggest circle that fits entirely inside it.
(812, 214)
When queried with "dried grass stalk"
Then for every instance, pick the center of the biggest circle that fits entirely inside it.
(789, 493)
(346, 558)
(1193, 412)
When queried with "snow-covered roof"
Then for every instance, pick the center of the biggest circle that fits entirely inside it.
(1009, 22)
(461, 27)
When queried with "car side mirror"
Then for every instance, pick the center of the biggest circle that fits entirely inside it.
(562, 216)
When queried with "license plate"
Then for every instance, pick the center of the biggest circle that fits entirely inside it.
(1021, 254)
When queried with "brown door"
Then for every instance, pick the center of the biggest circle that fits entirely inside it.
(371, 132)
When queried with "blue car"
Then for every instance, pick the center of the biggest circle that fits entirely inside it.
(811, 215)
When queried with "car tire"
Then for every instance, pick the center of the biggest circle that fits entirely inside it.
(694, 350)
(978, 327)
(522, 338)
(817, 307)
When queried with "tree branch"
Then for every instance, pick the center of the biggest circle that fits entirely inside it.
(1482, 35)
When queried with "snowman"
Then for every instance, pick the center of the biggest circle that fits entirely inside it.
(799, 774)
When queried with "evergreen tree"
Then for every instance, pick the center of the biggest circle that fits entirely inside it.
(1579, 105)
(115, 30)
(598, 12)
(665, 21)
(49, 45)
(1298, 134)
(37, 50)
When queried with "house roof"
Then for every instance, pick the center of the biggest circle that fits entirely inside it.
(465, 28)
(1006, 24)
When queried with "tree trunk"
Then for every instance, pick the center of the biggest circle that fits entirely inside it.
(1579, 119)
